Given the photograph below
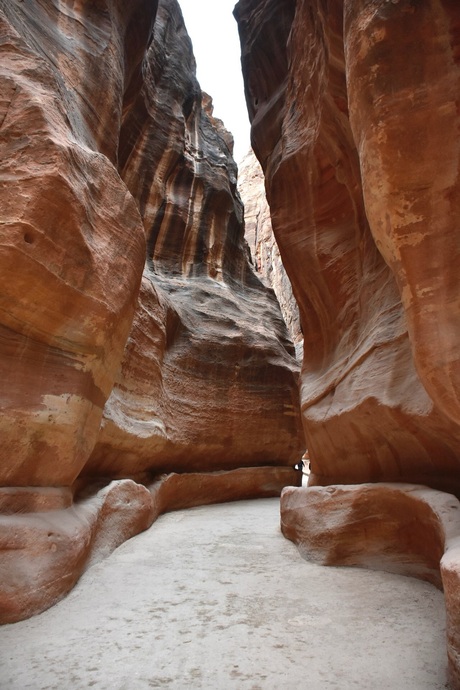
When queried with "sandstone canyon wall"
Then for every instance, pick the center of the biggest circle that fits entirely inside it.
(353, 120)
(354, 111)
(265, 254)
(207, 381)
(135, 338)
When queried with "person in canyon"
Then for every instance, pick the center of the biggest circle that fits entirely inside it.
(304, 464)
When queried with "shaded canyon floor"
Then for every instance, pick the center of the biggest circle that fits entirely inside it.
(215, 597)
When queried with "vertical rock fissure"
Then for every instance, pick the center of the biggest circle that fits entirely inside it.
(263, 246)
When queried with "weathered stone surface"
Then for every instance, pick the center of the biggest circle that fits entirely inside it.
(401, 528)
(44, 554)
(112, 165)
(355, 122)
(34, 499)
(208, 380)
(193, 394)
(264, 250)
(403, 92)
(384, 526)
(381, 346)
(72, 242)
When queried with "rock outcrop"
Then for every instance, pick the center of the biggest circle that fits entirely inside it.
(44, 552)
(72, 241)
(401, 528)
(264, 250)
(343, 125)
(208, 381)
(136, 338)
(354, 111)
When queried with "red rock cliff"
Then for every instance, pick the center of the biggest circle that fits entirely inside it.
(208, 380)
(72, 241)
(355, 132)
(135, 337)
(354, 109)
(207, 343)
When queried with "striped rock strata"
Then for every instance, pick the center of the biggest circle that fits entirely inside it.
(355, 120)
(135, 338)
(67, 291)
(357, 136)
(208, 380)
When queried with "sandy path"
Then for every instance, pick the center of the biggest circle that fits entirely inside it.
(215, 597)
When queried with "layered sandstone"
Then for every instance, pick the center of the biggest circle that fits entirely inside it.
(67, 291)
(136, 338)
(265, 254)
(355, 122)
(356, 135)
(208, 379)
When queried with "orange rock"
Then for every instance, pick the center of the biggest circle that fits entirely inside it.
(72, 244)
(211, 382)
(378, 384)
(405, 120)
(382, 526)
(355, 122)
(208, 380)
(112, 164)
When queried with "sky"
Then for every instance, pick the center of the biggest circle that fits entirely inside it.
(216, 45)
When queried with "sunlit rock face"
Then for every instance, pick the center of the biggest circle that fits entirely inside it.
(265, 254)
(355, 124)
(71, 235)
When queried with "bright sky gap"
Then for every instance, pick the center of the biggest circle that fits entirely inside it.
(214, 34)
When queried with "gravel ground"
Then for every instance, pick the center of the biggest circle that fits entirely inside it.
(216, 598)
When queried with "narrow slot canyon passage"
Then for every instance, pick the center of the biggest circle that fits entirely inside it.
(215, 597)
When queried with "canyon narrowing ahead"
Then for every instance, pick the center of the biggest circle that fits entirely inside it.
(145, 366)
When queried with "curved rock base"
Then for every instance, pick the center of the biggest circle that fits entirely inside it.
(47, 546)
(402, 528)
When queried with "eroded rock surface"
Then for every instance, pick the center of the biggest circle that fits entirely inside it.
(355, 122)
(264, 250)
(44, 553)
(135, 337)
(356, 134)
(208, 380)
(208, 342)
(72, 241)
(402, 528)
